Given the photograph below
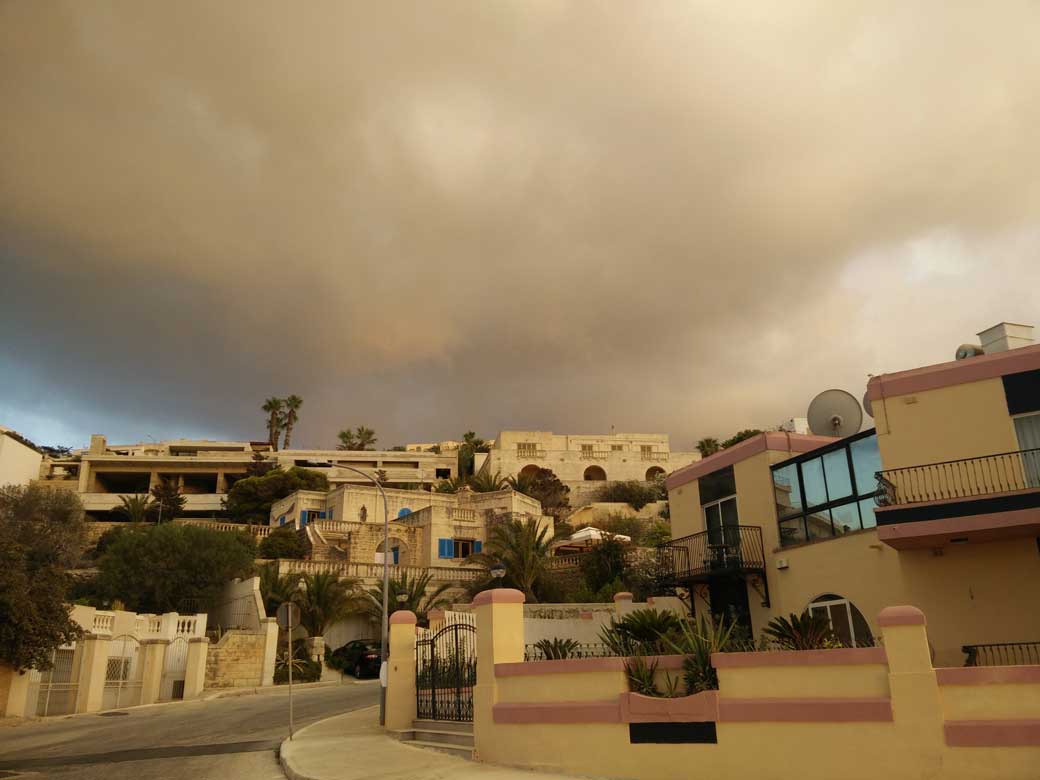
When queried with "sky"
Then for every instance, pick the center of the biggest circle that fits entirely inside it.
(678, 217)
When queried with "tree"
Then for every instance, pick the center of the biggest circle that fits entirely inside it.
(250, 499)
(523, 547)
(275, 590)
(603, 564)
(273, 407)
(417, 600)
(292, 407)
(169, 502)
(155, 568)
(136, 509)
(740, 436)
(450, 485)
(544, 486)
(361, 438)
(708, 446)
(471, 443)
(632, 492)
(41, 538)
(259, 465)
(282, 542)
(326, 599)
(485, 482)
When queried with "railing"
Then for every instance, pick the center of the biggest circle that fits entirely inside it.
(581, 650)
(730, 549)
(594, 454)
(1006, 654)
(633, 556)
(257, 530)
(530, 454)
(104, 623)
(186, 626)
(654, 456)
(462, 515)
(1003, 473)
(375, 570)
(334, 526)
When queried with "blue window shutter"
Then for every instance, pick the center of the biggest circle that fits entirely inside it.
(303, 518)
(332, 512)
(445, 548)
(478, 546)
(281, 520)
(321, 515)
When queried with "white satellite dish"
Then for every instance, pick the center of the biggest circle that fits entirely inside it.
(868, 405)
(835, 413)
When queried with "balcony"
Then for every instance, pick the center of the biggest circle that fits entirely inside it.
(655, 456)
(1003, 654)
(525, 454)
(729, 551)
(972, 499)
(595, 454)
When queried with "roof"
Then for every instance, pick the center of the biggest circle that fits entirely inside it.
(955, 372)
(780, 441)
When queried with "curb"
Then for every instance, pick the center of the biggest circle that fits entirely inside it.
(232, 693)
(287, 768)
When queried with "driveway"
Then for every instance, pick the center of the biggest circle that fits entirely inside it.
(226, 738)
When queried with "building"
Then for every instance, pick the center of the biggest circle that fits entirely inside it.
(580, 459)
(937, 506)
(427, 530)
(205, 470)
(19, 459)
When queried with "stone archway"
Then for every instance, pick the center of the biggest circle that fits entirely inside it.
(400, 552)
(530, 470)
(594, 474)
(653, 473)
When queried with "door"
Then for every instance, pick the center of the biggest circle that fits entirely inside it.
(1027, 428)
(729, 601)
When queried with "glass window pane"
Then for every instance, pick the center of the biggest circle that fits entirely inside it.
(716, 485)
(812, 477)
(792, 531)
(866, 513)
(839, 482)
(711, 517)
(819, 525)
(866, 461)
(846, 518)
(840, 623)
(788, 491)
(729, 512)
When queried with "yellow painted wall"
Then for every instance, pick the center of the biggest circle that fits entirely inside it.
(684, 506)
(991, 702)
(962, 421)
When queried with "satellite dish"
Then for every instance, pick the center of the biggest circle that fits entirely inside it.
(834, 413)
(867, 405)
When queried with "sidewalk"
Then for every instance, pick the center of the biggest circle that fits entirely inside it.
(354, 747)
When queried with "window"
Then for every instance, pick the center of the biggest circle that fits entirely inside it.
(586, 449)
(646, 451)
(462, 548)
(828, 492)
(847, 622)
(617, 447)
(721, 521)
(526, 449)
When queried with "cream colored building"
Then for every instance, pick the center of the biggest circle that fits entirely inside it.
(938, 506)
(205, 470)
(19, 460)
(586, 458)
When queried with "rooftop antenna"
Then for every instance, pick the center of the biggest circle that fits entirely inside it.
(834, 413)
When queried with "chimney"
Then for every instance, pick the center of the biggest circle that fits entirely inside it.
(1005, 336)
(98, 444)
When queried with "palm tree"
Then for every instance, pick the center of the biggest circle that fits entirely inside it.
(450, 485)
(136, 509)
(274, 589)
(521, 483)
(292, 407)
(346, 440)
(485, 482)
(325, 600)
(366, 437)
(523, 547)
(418, 600)
(273, 407)
(708, 446)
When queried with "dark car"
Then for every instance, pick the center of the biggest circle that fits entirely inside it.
(360, 658)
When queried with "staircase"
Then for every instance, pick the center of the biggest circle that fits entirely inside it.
(447, 736)
(321, 549)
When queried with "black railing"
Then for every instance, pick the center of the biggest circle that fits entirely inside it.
(1003, 473)
(580, 650)
(728, 550)
(1006, 654)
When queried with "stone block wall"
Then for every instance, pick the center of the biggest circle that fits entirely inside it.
(236, 661)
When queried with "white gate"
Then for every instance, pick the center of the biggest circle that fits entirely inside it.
(175, 665)
(122, 673)
(53, 692)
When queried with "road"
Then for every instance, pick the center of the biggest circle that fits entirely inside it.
(220, 739)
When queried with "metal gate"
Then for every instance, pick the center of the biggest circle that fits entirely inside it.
(53, 692)
(175, 665)
(122, 673)
(445, 673)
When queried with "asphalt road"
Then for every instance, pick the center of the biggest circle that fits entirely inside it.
(221, 739)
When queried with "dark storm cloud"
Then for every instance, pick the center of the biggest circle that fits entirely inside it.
(428, 217)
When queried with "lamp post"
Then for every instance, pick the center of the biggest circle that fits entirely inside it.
(384, 633)
(498, 571)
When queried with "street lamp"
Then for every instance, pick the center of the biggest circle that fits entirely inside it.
(498, 571)
(402, 599)
(384, 634)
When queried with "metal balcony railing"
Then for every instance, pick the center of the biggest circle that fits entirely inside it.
(1006, 472)
(728, 550)
(1005, 654)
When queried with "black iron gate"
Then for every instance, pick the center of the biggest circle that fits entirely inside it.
(445, 673)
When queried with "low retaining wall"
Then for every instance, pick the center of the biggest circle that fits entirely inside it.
(236, 661)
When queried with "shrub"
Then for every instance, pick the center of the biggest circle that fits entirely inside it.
(557, 649)
(603, 564)
(283, 542)
(808, 631)
(303, 670)
(634, 493)
(697, 643)
(642, 632)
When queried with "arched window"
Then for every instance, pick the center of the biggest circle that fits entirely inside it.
(653, 473)
(595, 474)
(847, 621)
(404, 512)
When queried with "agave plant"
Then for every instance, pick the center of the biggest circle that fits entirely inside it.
(640, 675)
(642, 632)
(451, 485)
(557, 649)
(697, 643)
(807, 631)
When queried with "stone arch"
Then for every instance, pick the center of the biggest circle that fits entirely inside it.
(653, 473)
(403, 557)
(594, 474)
(530, 470)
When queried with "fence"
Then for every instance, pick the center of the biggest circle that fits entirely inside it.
(536, 652)
(1003, 473)
(1003, 654)
(375, 570)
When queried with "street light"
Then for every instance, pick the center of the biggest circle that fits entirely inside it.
(402, 599)
(384, 634)
(498, 571)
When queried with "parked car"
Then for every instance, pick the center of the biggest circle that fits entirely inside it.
(360, 658)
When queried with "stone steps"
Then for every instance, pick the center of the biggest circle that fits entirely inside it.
(446, 736)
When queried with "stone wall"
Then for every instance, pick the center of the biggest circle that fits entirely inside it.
(236, 661)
